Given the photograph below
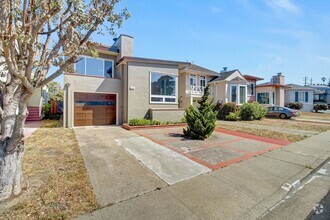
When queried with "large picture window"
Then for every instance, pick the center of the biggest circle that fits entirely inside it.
(95, 67)
(263, 98)
(163, 88)
(242, 94)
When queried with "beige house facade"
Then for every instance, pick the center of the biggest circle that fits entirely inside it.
(116, 87)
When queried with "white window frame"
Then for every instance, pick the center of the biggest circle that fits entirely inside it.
(303, 100)
(97, 58)
(202, 78)
(254, 88)
(238, 95)
(164, 96)
(194, 78)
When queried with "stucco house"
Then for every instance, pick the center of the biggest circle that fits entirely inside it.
(38, 98)
(273, 92)
(116, 87)
(301, 94)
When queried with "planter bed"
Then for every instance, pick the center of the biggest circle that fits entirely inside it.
(129, 127)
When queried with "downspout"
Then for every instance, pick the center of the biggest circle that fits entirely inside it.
(66, 105)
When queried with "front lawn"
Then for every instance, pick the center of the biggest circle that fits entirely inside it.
(262, 132)
(56, 184)
(313, 115)
(292, 124)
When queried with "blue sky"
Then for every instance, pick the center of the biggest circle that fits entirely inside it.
(258, 37)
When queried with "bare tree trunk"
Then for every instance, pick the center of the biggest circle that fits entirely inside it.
(14, 105)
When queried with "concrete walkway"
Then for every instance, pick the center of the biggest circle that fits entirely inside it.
(271, 128)
(30, 127)
(167, 164)
(244, 190)
(312, 120)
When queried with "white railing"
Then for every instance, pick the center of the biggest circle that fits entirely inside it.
(197, 90)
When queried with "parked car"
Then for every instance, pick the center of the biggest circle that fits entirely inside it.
(281, 112)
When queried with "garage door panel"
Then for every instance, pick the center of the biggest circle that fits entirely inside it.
(94, 109)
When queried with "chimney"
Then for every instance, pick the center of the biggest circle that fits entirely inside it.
(125, 45)
(278, 79)
(224, 69)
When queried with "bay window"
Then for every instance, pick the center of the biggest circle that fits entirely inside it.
(242, 94)
(233, 93)
(163, 88)
(95, 67)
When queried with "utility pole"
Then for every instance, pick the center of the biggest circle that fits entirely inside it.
(305, 80)
(311, 81)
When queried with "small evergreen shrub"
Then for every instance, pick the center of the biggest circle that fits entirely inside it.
(46, 110)
(226, 109)
(233, 116)
(252, 111)
(200, 120)
(320, 107)
(295, 105)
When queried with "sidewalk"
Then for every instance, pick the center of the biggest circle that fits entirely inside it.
(244, 190)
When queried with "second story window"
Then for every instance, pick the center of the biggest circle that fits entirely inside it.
(95, 67)
(202, 81)
(193, 80)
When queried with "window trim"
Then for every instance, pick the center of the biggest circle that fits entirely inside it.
(97, 58)
(202, 78)
(194, 78)
(238, 95)
(164, 96)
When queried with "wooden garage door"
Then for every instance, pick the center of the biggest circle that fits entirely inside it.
(94, 109)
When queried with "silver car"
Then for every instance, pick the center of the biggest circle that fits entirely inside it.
(281, 112)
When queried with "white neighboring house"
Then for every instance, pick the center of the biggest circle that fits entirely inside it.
(302, 94)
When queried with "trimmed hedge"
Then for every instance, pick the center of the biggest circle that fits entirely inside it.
(252, 111)
(295, 105)
(225, 109)
(143, 122)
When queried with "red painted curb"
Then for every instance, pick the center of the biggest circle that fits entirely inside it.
(128, 127)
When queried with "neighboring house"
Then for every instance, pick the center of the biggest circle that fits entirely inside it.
(273, 92)
(38, 98)
(321, 94)
(232, 86)
(301, 94)
(251, 87)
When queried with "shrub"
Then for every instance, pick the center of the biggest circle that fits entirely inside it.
(226, 109)
(295, 105)
(139, 122)
(252, 111)
(46, 110)
(201, 121)
(233, 116)
(320, 107)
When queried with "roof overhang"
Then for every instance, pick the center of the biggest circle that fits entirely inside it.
(252, 77)
(127, 59)
(273, 85)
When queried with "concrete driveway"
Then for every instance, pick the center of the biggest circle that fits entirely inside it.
(115, 175)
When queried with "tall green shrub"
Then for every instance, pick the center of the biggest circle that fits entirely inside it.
(200, 121)
(252, 111)
(225, 109)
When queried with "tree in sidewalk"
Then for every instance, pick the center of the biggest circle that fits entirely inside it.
(201, 120)
(35, 35)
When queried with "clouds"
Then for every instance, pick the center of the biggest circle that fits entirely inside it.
(284, 5)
